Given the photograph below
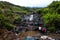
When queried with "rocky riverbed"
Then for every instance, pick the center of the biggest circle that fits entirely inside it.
(8, 35)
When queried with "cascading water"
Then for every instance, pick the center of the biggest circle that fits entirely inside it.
(31, 17)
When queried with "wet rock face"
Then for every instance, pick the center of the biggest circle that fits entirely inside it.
(33, 19)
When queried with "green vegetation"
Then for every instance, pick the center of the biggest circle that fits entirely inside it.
(52, 16)
(52, 21)
(11, 14)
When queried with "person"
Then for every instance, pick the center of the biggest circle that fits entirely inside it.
(44, 30)
(20, 28)
(26, 29)
(16, 30)
(40, 28)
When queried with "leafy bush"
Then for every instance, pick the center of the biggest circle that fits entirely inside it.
(52, 21)
(9, 26)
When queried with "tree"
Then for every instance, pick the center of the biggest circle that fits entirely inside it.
(52, 21)
(17, 20)
(5, 22)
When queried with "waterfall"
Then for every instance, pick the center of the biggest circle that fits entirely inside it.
(31, 17)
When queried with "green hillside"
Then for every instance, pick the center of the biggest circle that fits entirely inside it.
(10, 13)
(52, 16)
(14, 8)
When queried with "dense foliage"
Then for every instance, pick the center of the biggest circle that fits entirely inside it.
(52, 16)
